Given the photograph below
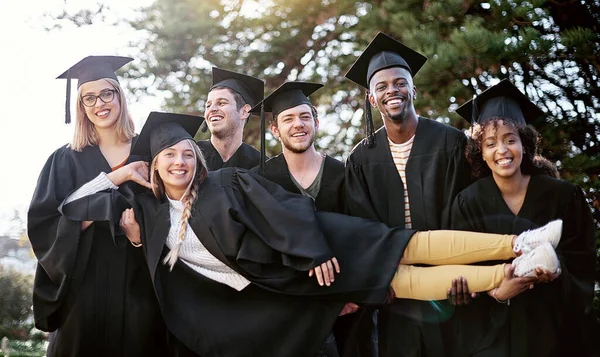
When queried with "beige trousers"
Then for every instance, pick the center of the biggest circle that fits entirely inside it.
(449, 251)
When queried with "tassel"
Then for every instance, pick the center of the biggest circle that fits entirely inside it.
(262, 138)
(172, 256)
(68, 101)
(369, 126)
(474, 111)
(204, 126)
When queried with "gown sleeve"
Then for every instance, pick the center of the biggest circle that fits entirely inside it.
(283, 237)
(462, 217)
(457, 178)
(358, 199)
(105, 205)
(100, 183)
(275, 216)
(61, 248)
(577, 253)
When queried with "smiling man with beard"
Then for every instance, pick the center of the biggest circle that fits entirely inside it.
(300, 168)
(227, 109)
(405, 174)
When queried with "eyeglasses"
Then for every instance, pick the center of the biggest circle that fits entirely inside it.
(106, 96)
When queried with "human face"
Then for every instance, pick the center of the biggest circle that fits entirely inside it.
(102, 115)
(221, 113)
(502, 150)
(296, 127)
(176, 166)
(392, 92)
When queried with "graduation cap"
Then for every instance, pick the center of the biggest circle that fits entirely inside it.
(382, 52)
(91, 69)
(286, 96)
(163, 130)
(503, 100)
(252, 89)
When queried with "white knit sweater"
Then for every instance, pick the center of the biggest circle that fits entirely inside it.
(196, 256)
(191, 252)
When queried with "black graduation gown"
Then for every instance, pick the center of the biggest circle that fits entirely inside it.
(245, 157)
(91, 288)
(436, 171)
(271, 237)
(331, 197)
(547, 320)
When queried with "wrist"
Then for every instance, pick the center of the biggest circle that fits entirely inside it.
(499, 298)
(119, 176)
(136, 244)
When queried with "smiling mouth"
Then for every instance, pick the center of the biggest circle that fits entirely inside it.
(103, 113)
(298, 135)
(178, 172)
(214, 118)
(504, 162)
(394, 102)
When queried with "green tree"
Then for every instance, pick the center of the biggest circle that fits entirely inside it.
(15, 299)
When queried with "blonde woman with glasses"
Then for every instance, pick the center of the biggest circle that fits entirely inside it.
(92, 291)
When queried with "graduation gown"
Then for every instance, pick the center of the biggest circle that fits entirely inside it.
(331, 197)
(436, 171)
(245, 157)
(91, 289)
(349, 337)
(549, 319)
(271, 237)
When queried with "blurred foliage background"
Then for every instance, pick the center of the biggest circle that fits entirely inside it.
(549, 48)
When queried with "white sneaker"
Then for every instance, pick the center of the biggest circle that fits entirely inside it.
(543, 257)
(529, 240)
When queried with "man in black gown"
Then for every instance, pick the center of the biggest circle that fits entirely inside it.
(228, 105)
(301, 169)
(405, 174)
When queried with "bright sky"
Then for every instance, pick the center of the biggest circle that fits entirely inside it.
(32, 100)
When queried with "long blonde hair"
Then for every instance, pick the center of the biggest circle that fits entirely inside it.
(189, 196)
(85, 131)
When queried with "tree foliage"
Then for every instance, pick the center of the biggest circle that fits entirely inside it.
(15, 300)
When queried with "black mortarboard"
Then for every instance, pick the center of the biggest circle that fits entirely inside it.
(252, 89)
(286, 96)
(163, 130)
(503, 100)
(384, 52)
(90, 69)
(381, 53)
